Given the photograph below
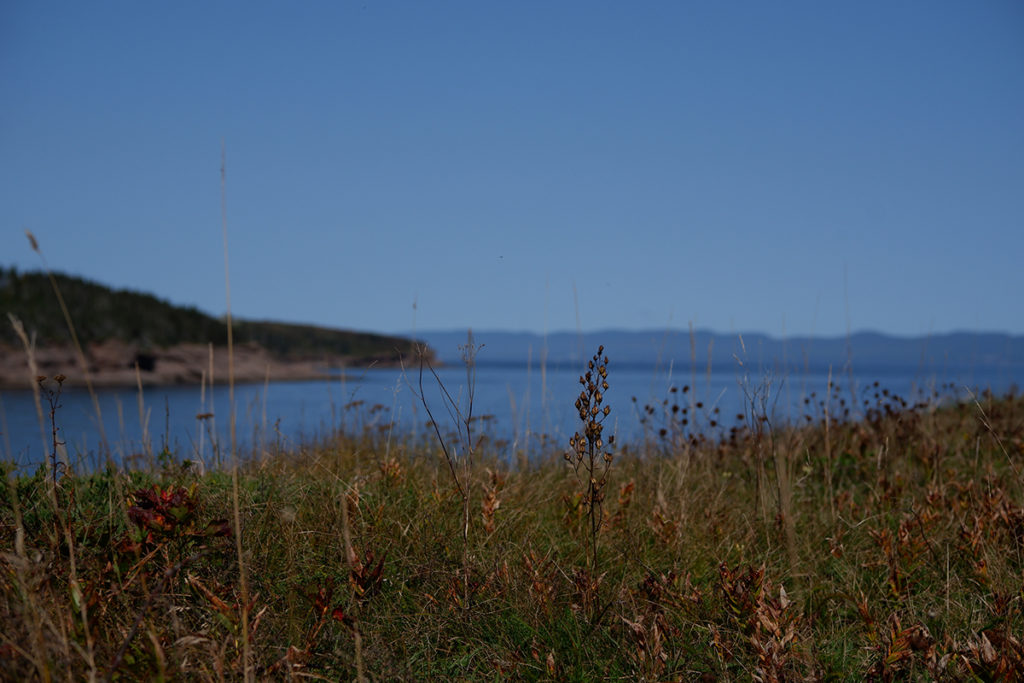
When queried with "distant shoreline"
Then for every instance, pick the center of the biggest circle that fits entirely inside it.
(113, 364)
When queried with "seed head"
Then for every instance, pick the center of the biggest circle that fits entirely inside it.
(32, 241)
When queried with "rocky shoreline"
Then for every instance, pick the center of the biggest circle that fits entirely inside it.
(114, 363)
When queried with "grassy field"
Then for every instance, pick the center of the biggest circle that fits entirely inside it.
(889, 547)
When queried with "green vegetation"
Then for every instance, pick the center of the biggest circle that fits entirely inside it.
(304, 341)
(888, 548)
(101, 313)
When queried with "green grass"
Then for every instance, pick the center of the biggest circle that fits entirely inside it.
(914, 570)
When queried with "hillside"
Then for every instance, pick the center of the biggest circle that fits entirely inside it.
(119, 328)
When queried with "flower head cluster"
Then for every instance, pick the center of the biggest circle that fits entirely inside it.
(592, 414)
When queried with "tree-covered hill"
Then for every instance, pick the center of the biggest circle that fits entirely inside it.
(302, 341)
(100, 313)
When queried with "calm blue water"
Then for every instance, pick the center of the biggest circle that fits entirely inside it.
(517, 404)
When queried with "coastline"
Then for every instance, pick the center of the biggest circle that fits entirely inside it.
(117, 364)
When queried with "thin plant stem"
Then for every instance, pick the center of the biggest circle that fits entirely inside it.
(82, 362)
(247, 672)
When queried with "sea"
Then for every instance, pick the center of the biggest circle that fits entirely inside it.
(523, 411)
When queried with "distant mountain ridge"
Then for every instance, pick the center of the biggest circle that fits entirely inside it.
(864, 351)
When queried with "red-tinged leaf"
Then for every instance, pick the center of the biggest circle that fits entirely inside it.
(217, 527)
(149, 519)
(146, 498)
(375, 575)
(323, 598)
(372, 583)
(127, 545)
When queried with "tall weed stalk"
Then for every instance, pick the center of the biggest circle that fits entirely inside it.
(588, 457)
(460, 468)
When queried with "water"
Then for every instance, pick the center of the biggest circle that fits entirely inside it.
(515, 403)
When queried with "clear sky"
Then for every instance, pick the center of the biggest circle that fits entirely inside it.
(780, 167)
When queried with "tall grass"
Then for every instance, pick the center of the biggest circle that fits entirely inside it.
(235, 507)
(358, 565)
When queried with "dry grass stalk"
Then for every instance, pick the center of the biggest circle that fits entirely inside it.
(352, 560)
(460, 469)
(828, 451)
(80, 353)
(143, 417)
(235, 507)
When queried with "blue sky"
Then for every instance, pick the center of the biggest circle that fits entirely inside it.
(785, 167)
